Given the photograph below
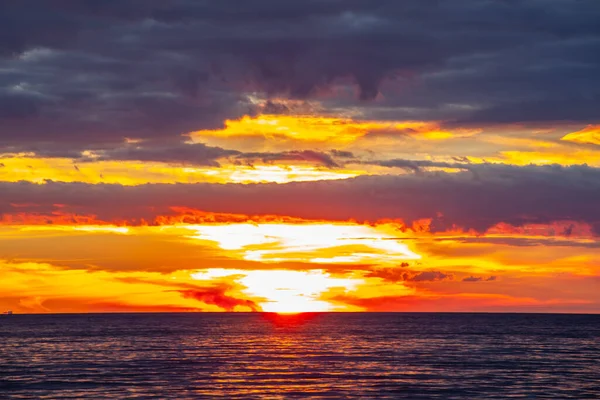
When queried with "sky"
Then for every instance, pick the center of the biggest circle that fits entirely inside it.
(290, 156)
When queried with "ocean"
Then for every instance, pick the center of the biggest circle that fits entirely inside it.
(322, 355)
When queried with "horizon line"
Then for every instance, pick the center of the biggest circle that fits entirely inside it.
(305, 312)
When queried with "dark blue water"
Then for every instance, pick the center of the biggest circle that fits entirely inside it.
(399, 356)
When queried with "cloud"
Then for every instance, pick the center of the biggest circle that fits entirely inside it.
(217, 296)
(479, 279)
(177, 153)
(588, 135)
(34, 304)
(312, 156)
(81, 72)
(587, 242)
(158, 249)
(342, 153)
(430, 276)
(461, 302)
(210, 295)
(402, 275)
(476, 199)
(418, 165)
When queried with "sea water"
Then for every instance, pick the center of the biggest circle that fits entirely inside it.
(323, 355)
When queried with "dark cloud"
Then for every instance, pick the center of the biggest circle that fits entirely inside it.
(389, 274)
(90, 72)
(476, 199)
(342, 153)
(418, 165)
(170, 151)
(430, 276)
(175, 153)
(479, 279)
(287, 107)
(17, 105)
(312, 156)
(403, 275)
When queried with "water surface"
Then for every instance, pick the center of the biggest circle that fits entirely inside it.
(329, 355)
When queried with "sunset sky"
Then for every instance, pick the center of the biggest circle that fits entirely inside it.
(314, 155)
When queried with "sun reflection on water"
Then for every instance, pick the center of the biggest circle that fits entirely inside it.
(289, 319)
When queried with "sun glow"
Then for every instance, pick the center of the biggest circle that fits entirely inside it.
(284, 291)
(312, 242)
(131, 173)
(294, 291)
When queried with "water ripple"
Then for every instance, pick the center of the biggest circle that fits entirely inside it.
(328, 356)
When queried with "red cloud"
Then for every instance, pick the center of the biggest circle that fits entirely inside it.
(217, 297)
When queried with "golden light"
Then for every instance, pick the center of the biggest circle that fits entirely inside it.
(588, 135)
(566, 157)
(43, 287)
(75, 228)
(38, 170)
(290, 173)
(283, 291)
(309, 242)
(319, 129)
(294, 291)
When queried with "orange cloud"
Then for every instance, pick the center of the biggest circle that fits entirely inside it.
(178, 215)
(208, 267)
(431, 302)
(218, 297)
(53, 218)
(573, 229)
(188, 215)
(78, 305)
(588, 135)
(317, 129)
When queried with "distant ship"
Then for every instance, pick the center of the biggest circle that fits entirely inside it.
(9, 312)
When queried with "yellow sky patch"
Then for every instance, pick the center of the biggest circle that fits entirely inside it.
(38, 170)
(319, 130)
(571, 157)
